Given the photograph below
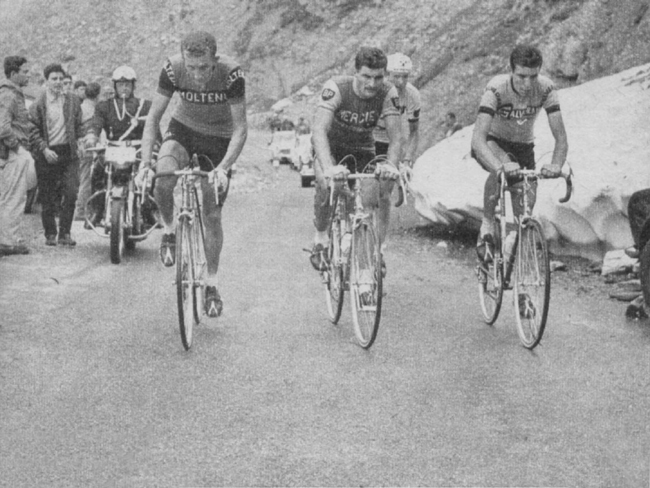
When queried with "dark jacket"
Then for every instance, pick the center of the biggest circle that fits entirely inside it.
(38, 114)
(15, 125)
(107, 118)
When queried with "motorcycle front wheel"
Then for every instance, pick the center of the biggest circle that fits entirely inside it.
(118, 238)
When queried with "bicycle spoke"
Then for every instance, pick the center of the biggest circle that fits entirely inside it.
(532, 285)
(365, 283)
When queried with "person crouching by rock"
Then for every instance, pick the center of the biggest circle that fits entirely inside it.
(57, 126)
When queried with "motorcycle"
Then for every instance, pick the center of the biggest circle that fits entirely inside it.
(124, 221)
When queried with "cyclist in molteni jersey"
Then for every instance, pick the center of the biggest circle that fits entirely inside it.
(399, 68)
(348, 111)
(210, 120)
(503, 134)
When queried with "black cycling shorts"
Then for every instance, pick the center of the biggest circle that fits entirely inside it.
(360, 161)
(196, 143)
(520, 152)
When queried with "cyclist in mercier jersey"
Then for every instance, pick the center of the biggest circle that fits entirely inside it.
(346, 115)
(210, 120)
(503, 134)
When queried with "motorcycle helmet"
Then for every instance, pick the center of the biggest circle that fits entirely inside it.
(124, 73)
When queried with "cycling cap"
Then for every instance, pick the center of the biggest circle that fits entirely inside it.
(399, 63)
(124, 73)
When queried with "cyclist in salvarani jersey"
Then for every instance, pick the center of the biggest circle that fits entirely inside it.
(503, 134)
(346, 115)
(210, 119)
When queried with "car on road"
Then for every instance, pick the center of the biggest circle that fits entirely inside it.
(283, 147)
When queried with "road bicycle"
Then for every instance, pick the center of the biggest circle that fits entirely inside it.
(520, 248)
(191, 263)
(353, 260)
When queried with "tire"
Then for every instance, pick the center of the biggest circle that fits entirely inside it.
(200, 261)
(118, 236)
(490, 283)
(333, 276)
(185, 290)
(365, 283)
(532, 284)
(137, 227)
(644, 272)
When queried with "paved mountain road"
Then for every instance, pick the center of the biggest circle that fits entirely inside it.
(96, 389)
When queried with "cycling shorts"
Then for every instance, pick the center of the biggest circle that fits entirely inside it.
(362, 157)
(520, 152)
(197, 143)
(381, 148)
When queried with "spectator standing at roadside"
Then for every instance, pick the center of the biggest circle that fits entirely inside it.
(57, 126)
(451, 126)
(86, 158)
(67, 83)
(302, 127)
(15, 159)
(80, 87)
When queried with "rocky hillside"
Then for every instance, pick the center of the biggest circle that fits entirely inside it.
(289, 47)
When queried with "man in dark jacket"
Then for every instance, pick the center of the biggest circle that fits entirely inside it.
(57, 126)
(15, 160)
(122, 118)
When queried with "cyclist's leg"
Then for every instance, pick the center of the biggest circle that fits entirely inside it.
(491, 189)
(215, 149)
(524, 154)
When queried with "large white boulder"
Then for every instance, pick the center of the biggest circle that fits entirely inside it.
(608, 126)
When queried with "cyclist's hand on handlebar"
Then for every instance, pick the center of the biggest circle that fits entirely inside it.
(337, 173)
(143, 178)
(551, 170)
(90, 140)
(220, 178)
(511, 169)
(386, 171)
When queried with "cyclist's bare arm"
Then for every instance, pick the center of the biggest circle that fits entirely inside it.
(322, 123)
(151, 127)
(394, 132)
(413, 141)
(239, 135)
(480, 145)
(556, 123)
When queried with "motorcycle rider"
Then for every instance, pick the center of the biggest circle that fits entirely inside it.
(122, 118)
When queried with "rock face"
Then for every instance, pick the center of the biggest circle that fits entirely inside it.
(609, 152)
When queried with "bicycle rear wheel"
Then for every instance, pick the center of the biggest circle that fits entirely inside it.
(532, 286)
(185, 290)
(333, 278)
(365, 283)
(490, 283)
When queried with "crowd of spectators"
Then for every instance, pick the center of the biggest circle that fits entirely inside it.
(43, 146)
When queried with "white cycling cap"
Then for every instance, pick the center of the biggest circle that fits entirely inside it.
(399, 63)
(124, 73)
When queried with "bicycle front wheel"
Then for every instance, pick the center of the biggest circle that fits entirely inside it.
(185, 290)
(532, 286)
(199, 260)
(333, 274)
(365, 283)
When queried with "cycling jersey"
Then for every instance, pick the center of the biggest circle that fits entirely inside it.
(204, 110)
(513, 114)
(409, 109)
(356, 117)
